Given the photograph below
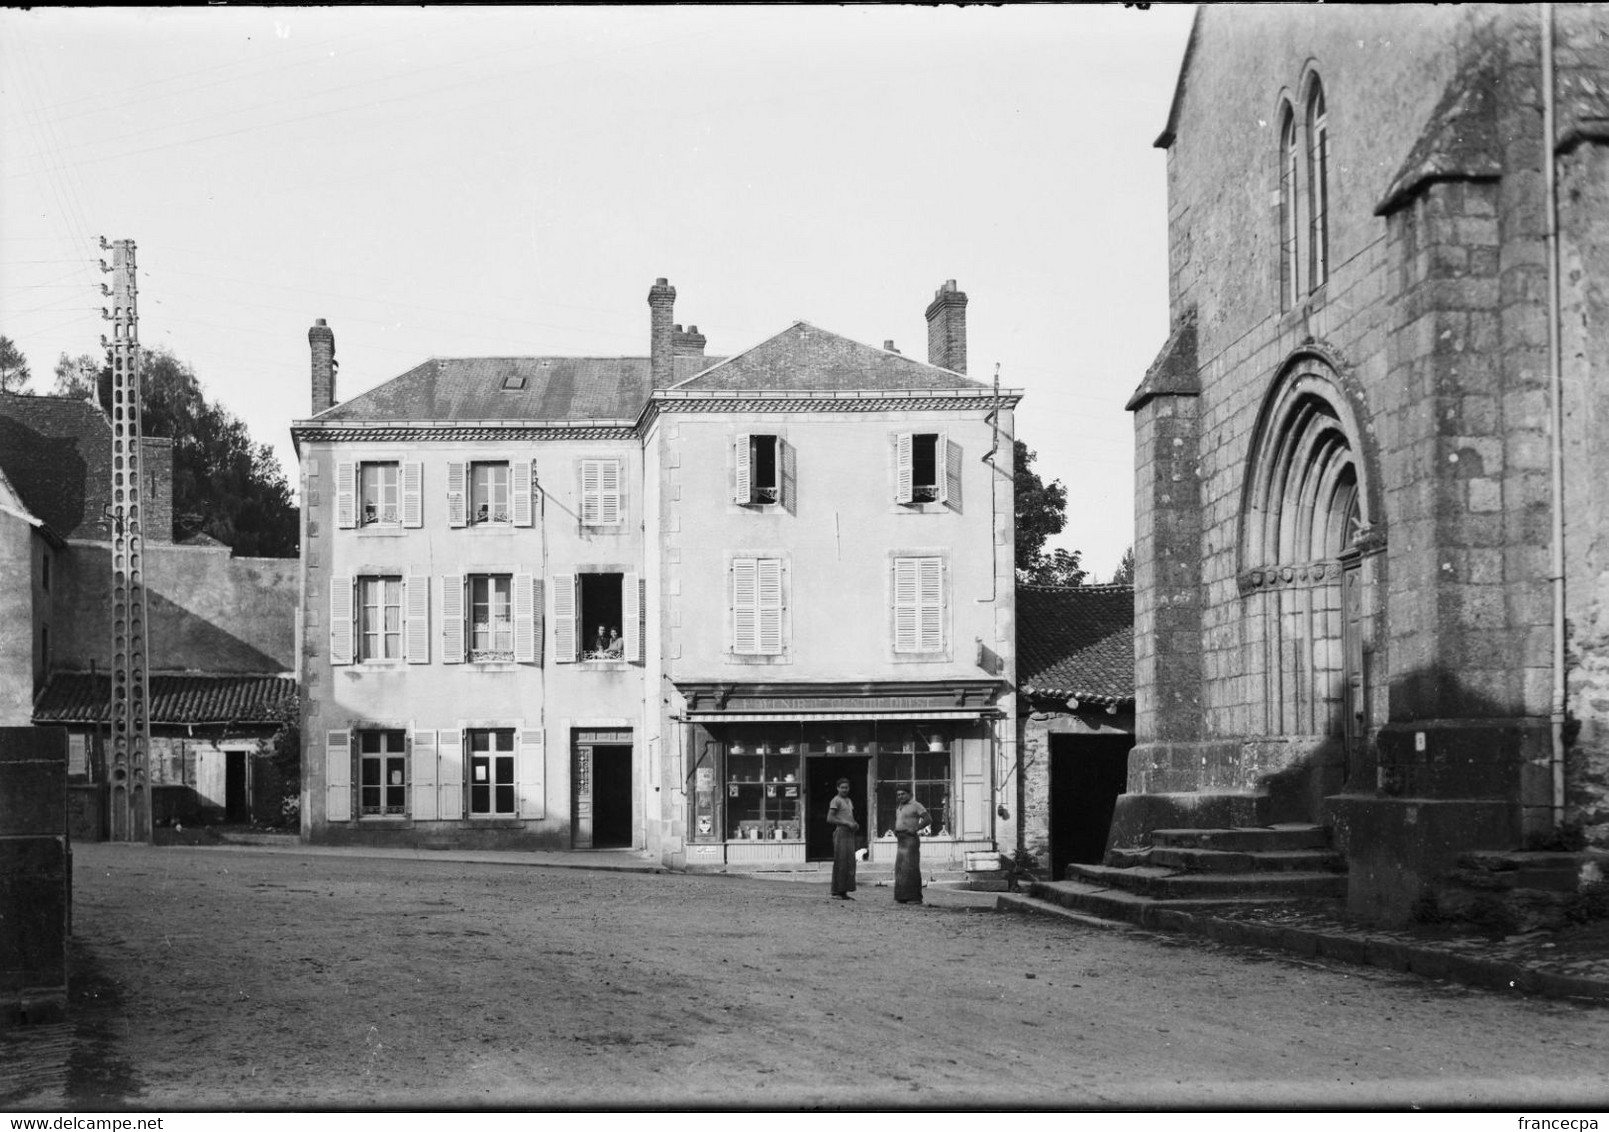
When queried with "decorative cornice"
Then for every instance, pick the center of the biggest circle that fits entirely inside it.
(736, 401)
(408, 431)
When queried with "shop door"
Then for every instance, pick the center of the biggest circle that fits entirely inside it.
(611, 797)
(1087, 773)
(821, 785)
(236, 795)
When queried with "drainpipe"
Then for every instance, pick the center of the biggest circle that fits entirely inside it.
(1556, 421)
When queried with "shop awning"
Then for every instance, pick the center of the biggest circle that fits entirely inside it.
(833, 717)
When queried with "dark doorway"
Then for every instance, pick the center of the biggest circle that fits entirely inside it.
(1087, 773)
(236, 796)
(611, 797)
(821, 783)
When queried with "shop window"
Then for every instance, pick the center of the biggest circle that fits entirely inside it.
(379, 494)
(489, 494)
(382, 774)
(491, 773)
(379, 613)
(491, 617)
(600, 493)
(926, 774)
(763, 793)
(919, 605)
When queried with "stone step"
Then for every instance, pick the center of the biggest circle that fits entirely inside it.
(1223, 861)
(1544, 871)
(1123, 906)
(1172, 884)
(1272, 838)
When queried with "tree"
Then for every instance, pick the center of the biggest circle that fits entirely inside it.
(13, 368)
(1041, 511)
(77, 377)
(1124, 574)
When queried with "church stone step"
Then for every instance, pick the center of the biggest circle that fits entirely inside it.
(1127, 907)
(1221, 861)
(1274, 838)
(1172, 884)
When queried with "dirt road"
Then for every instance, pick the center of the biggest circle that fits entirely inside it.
(211, 978)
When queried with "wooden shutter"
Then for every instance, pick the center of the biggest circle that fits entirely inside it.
(525, 648)
(346, 495)
(521, 474)
(340, 620)
(450, 775)
(789, 474)
(77, 753)
(338, 776)
(930, 599)
(642, 620)
(457, 505)
(768, 603)
(413, 486)
(974, 788)
(452, 619)
(903, 492)
(745, 605)
(609, 492)
(905, 604)
(538, 616)
(949, 473)
(742, 480)
(631, 617)
(416, 604)
(532, 774)
(424, 776)
(565, 637)
(589, 492)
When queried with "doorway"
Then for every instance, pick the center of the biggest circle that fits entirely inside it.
(821, 783)
(236, 787)
(1087, 773)
(611, 797)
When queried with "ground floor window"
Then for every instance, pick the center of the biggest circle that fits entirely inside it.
(491, 773)
(763, 791)
(382, 774)
(926, 774)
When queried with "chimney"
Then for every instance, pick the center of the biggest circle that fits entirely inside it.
(661, 335)
(947, 328)
(322, 341)
(689, 342)
(888, 344)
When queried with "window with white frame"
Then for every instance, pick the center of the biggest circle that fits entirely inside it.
(489, 500)
(492, 790)
(757, 606)
(379, 618)
(382, 774)
(600, 493)
(919, 604)
(379, 494)
(491, 617)
(927, 469)
(598, 617)
(762, 471)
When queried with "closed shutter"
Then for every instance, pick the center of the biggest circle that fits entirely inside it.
(457, 505)
(974, 788)
(340, 620)
(416, 601)
(450, 775)
(905, 605)
(564, 631)
(590, 506)
(338, 776)
(631, 618)
(609, 492)
(742, 480)
(522, 473)
(950, 473)
(532, 775)
(902, 468)
(413, 485)
(787, 457)
(346, 495)
(538, 617)
(745, 606)
(930, 597)
(424, 776)
(642, 621)
(524, 619)
(77, 754)
(768, 585)
(452, 619)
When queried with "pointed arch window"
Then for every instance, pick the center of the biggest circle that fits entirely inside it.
(1318, 185)
(1289, 221)
(1304, 196)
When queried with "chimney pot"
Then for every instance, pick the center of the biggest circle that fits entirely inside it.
(661, 334)
(888, 344)
(947, 328)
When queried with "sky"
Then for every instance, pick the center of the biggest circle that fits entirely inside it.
(456, 182)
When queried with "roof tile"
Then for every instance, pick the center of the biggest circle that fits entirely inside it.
(1076, 642)
(80, 697)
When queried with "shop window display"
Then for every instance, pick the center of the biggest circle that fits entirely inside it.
(764, 792)
(926, 774)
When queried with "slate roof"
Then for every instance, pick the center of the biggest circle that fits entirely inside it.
(1076, 642)
(805, 357)
(79, 697)
(57, 454)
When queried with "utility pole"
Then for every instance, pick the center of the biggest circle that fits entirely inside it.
(129, 769)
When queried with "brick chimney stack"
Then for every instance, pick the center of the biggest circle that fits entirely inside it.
(689, 342)
(322, 341)
(661, 335)
(947, 328)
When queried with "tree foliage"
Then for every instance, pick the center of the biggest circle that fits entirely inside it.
(1124, 574)
(14, 373)
(1041, 511)
(76, 377)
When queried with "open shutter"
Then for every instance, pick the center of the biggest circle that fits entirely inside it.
(742, 480)
(950, 473)
(905, 605)
(450, 775)
(413, 486)
(902, 468)
(532, 775)
(565, 636)
(745, 606)
(631, 617)
(609, 492)
(457, 505)
(424, 776)
(787, 457)
(452, 619)
(768, 582)
(642, 621)
(416, 602)
(930, 599)
(522, 473)
(589, 492)
(338, 776)
(340, 620)
(525, 650)
(346, 495)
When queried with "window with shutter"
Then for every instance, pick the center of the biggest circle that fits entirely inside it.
(490, 630)
(790, 476)
(525, 643)
(919, 605)
(346, 494)
(450, 775)
(413, 479)
(768, 586)
(424, 776)
(532, 775)
(902, 468)
(338, 776)
(489, 499)
(950, 483)
(524, 488)
(340, 620)
(379, 494)
(452, 619)
(417, 597)
(382, 774)
(741, 455)
(490, 763)
(631, 618)
(757, 606)
(565, 635)
(600, 493)
(379, 618)
(457, 492)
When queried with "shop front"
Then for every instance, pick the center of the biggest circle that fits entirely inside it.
(764, 761)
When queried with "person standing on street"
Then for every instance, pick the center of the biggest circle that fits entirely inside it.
(910, 817)
(841, 816)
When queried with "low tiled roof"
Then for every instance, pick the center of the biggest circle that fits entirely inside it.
(1076, 642)
(57, 453)
(805, 357)
(79, 697)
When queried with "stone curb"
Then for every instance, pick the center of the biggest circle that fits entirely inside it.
(454, 856)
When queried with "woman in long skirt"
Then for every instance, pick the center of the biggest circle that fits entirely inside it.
(909, 818)
(841, 816)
